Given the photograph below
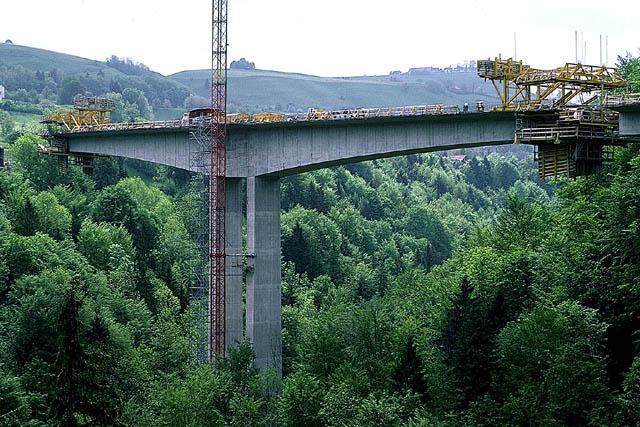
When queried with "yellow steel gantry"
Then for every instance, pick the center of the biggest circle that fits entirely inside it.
(521, 87)
(88, 111)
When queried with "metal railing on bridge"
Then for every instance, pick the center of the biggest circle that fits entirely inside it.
(313, 115)
(622, 99)
(556, 134)
(113, 127)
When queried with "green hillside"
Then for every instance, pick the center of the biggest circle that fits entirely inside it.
(40, 59)
(251, 90)
(41, 76)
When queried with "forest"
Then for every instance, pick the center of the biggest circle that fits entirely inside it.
(425, 290)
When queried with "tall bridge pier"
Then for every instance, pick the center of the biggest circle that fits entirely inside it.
(264, 327)
(263, 315)
(234, 265)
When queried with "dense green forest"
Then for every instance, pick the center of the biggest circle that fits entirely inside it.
(419, 290)
(423, 290)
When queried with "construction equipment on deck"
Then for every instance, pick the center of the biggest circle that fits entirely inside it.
(203, 115)
(560, 111)
(88, 112)
(520, 86)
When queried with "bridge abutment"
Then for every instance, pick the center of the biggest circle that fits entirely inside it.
(264, 312)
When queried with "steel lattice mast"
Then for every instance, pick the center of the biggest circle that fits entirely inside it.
(217, 178)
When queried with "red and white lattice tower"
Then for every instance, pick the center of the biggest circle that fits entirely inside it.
(217, 178)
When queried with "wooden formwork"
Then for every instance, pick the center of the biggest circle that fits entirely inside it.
(554, 160)
(571, 159)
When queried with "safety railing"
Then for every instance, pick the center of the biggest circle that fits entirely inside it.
(555, 134)
(622, 99)
(262, 118)
(589, 116)
(538, 105)
(113, 127)
(546, 134)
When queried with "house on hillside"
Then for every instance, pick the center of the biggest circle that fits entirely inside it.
(424, 70)
(1, 92)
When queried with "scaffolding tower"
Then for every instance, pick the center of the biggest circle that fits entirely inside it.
(208, 159)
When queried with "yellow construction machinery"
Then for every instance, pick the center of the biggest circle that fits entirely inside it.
(560, 111)
(521, 87)
(87, 111)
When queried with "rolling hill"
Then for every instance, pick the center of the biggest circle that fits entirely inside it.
(249, 90)
(34, 59)
(252, 90)
(43, 75)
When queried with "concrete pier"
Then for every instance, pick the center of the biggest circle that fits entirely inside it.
(264, 325)
(233, 283)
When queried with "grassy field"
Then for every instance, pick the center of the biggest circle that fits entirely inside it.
(39, 59)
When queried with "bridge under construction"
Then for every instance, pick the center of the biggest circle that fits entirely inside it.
(574, 116)
(563, 112)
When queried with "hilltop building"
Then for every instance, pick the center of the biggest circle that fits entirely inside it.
(1, 92)
(424, 70)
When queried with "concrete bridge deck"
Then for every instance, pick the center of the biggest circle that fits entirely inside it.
(287, 148)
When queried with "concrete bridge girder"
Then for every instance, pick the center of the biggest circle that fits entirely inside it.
(262, 154)
(290, 148)
(629, 121)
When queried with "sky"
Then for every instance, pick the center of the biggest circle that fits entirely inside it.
(326, 37)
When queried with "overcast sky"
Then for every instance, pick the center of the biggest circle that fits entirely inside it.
(324, 37)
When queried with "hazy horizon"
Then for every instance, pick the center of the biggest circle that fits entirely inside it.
(332, 39)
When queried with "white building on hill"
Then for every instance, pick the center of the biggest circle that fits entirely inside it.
(1, 92)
